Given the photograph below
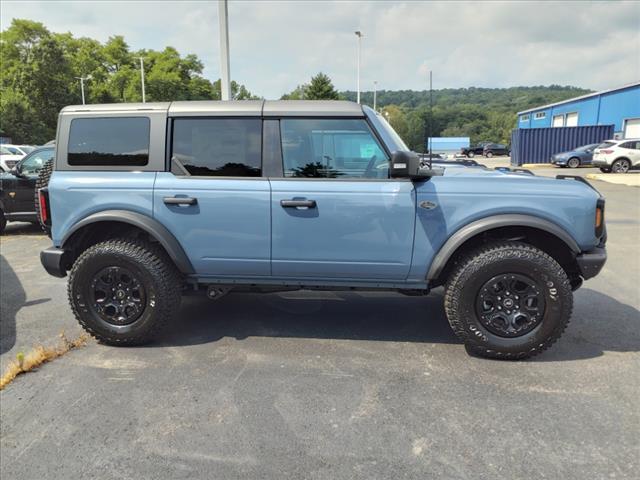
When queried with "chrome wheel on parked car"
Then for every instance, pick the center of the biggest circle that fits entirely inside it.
(573, 162)
(621, 166)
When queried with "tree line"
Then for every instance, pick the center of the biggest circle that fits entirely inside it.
(40, 70)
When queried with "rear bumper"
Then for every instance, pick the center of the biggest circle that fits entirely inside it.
(52, 260)
(590, 263)
(600, 163)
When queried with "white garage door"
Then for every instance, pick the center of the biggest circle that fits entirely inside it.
(632, 128)
(558, 121)
(572, 119)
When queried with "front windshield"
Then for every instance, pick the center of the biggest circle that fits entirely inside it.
(389, 129)
(27, 148)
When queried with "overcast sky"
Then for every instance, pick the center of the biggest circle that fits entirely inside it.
(276, 45)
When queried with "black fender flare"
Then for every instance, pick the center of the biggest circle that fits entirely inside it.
(144, 222)
(472, 229)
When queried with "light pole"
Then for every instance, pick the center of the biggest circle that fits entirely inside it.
(82, 79)
(225, 79)
(144, 100)
(359, 34)
(375, 93)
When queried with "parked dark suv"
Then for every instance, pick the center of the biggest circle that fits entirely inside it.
(491, 149)
(473, 150)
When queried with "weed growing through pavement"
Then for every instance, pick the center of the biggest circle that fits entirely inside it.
(39, 355)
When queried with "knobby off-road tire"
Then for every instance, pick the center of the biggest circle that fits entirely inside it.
(116, 271)
(502, 263)
(41, 182)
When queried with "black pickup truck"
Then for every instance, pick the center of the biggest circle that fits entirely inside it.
(17, 188)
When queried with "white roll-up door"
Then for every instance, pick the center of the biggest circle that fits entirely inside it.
(572, 119)
(632, 128)
(558, 121)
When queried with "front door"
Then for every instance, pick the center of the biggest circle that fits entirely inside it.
(335, 213)
(214, 200)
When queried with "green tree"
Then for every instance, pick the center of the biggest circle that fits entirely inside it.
(321, 88)
(298, 93)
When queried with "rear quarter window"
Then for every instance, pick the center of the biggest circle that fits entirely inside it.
(113, 141)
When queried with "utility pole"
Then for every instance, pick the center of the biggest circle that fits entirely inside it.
(82, 79)
(359, 35)
(375, 94)
(144, 100)
(225, 79)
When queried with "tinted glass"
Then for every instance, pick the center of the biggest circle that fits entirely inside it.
(331, 149)
(227, 147)
(32, 164)
(606, 144)
(109, 141)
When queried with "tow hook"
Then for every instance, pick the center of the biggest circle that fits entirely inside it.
(216, 292)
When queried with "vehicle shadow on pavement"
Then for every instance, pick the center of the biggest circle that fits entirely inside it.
(22, 228)
(12, 298)
(321, 315)
(598, 325)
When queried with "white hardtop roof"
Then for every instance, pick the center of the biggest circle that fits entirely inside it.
(267, 108)
(588, 95)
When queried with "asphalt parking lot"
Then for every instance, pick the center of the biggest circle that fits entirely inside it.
(324, 385)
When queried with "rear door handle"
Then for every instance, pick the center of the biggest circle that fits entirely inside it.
(180, 200)
(298, 203)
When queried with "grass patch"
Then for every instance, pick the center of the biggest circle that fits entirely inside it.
(38, 356)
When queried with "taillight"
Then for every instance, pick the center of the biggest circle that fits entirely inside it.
(44, 207)
(599, 220)
(606, 151)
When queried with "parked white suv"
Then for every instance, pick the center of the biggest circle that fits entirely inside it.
(617, 156)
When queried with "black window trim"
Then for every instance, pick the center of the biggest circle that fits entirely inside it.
(110, 117)
(169, 145)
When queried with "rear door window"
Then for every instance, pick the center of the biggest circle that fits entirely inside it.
(228, 147)
(113, 141)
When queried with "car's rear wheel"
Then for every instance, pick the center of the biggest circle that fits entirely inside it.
(605, 169)
(123, 292)
(508, 300)
(489, 154)
(621, 165)
(573, 162)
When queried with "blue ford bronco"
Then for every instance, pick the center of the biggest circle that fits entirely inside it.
(148, 202)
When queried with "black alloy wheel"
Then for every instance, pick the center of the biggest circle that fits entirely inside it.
(117, 295)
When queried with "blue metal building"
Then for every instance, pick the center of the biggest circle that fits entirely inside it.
(619, 107)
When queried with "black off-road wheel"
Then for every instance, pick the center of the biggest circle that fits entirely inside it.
(41, 182)
(123, 292)
(508, 300)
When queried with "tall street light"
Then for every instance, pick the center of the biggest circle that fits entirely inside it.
(359, 34)
(225, 78)
(82, 79)
(375, 94)
(144, 100)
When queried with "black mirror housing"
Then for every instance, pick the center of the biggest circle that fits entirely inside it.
(409, 165)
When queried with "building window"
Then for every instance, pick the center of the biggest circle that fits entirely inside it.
(214, 147)
(109, 141)
(524, 118)
(540, 116)
(572, 119)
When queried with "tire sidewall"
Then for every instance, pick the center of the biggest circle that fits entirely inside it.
(80, 289)
(554, 290)
(570, 163)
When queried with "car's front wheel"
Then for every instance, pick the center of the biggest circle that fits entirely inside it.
(471, 154)
(124, 291)
(621, 165)
(508, 300)
(489, 154)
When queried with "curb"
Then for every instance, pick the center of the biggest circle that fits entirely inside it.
(536, 165)
(617, 179)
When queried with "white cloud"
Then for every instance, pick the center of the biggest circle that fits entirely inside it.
(276, 45)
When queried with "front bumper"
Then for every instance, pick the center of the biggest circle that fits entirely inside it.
(53, 261)
(590, 263)
(558, 161)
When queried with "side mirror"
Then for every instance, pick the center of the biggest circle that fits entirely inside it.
(409, 165)
(15, 171)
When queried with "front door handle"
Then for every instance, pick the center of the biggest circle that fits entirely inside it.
(180, 200)
(298, 203)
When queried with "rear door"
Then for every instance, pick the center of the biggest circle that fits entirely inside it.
(335, 212)
(215, 200)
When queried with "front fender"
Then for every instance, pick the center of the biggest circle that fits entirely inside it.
(489, 223)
